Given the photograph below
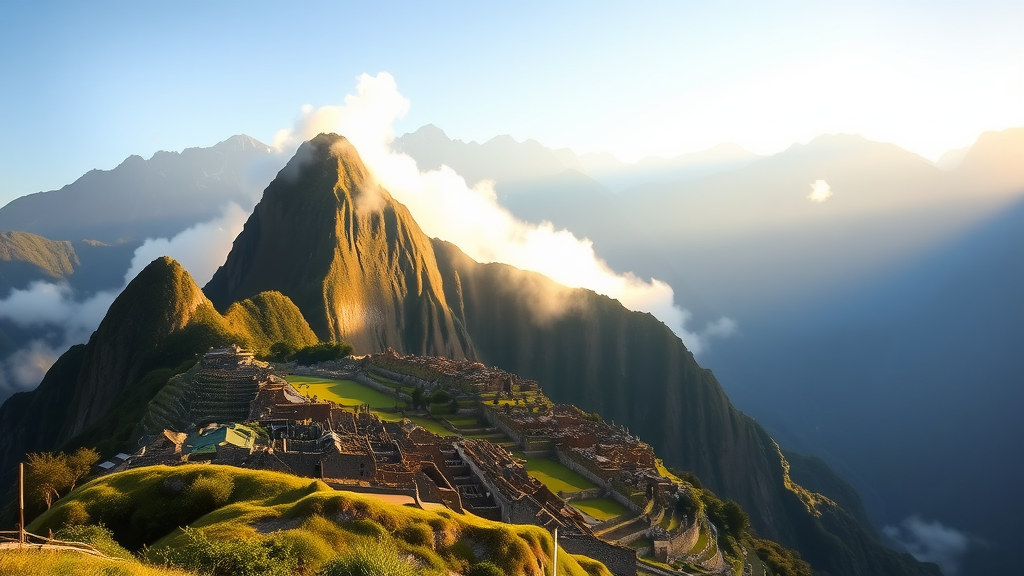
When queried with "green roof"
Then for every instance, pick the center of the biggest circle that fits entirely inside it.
(206, 441)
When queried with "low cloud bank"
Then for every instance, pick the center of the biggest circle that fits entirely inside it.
(931, 542)
(471, 218)
(69, 319)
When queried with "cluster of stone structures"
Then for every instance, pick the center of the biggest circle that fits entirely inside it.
(355, 450)
(447, 372)
(621, 464)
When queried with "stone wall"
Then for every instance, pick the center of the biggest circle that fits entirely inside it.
(589, 475)
(354, 466)
(582, 494)
(620, 560)
(370, 382)
(683, 542)
(401, 378)
(503, 503)
(497, 422)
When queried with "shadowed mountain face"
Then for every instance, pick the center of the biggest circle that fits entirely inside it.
(359, 268)
(139, 199)
(353, 260)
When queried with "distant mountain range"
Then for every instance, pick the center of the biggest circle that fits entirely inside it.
(139, 199)
(357, 266)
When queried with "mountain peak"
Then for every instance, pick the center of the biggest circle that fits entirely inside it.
(241, 142)
(345, 252)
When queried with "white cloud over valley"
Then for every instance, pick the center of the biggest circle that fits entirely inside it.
(931, 542)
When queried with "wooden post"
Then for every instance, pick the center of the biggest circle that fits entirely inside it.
(21, 502)
(554, 562)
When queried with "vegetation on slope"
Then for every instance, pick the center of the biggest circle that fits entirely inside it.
(96, 395)
(51, 563)
(227, 520)
(268, 318)
(26, 257)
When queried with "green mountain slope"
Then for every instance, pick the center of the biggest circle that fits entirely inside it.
(96, 393)
(85, 265)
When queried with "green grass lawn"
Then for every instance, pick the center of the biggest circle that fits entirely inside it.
(600, 508)
(465, 421)
(670, 521)
(350, 393)
(702, 541)
(344, 392)
(556, 476)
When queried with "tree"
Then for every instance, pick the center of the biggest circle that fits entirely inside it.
(736, 520)
(80, 463)
(322, 352)
(417, 397)
(51, 475)
(47, 477)
(281, 352)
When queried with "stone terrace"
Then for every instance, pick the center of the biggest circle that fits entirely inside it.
(434, 369)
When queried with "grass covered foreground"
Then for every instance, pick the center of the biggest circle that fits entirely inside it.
(48, 562)
(259, 522)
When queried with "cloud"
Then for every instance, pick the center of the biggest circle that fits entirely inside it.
(471, 218)
(51, 306)
(199, 249)
(25, 368)
(820, 191)
(930, 542)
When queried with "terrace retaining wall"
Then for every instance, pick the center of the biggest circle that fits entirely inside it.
(589, 475)
(371, 383)
(620, 560)
(497, 422)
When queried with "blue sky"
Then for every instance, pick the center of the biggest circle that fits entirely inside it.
(86, 84)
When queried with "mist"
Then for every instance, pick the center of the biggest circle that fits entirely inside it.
(446, 207)
(931, 542)
(69, 318)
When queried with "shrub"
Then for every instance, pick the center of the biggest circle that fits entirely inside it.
(238, 557)
(417, 534)
(97, 536)
(74, 514)
(207, 493)
(440, 397)
(369, 559)
(485, 569)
